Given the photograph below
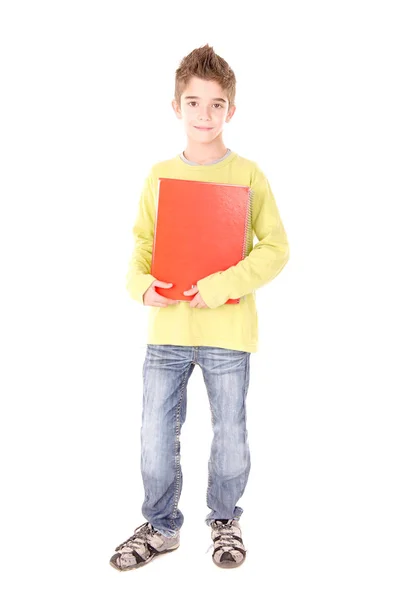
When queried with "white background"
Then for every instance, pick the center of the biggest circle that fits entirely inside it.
(85, 111)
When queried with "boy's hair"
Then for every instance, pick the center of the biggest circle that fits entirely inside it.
(206, 64)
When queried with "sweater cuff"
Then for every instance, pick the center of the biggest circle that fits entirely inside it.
(138, 285)
(209, 292)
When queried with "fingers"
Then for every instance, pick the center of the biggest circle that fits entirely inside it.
(161, 301)
(162, 284)
(169, 300)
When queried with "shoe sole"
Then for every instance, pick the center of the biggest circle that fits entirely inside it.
(146, 562)
(229, 564)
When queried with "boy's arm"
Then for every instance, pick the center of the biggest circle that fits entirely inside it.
(138, 278)
(263, 263)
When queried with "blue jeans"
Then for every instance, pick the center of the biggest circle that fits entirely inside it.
(166, 372)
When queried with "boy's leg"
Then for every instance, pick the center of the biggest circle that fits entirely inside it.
(226, 374)
(166, 371)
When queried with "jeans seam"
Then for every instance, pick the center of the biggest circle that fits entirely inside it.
(177, 454)
(209, 466)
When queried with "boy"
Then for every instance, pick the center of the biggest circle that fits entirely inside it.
(219, 337)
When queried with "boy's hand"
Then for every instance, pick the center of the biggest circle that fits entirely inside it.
(152, 298)
(197, 301)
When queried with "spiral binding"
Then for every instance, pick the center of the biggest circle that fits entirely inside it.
(247, 239)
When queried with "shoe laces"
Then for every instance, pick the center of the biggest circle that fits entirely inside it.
(139, 537)
(226, 534)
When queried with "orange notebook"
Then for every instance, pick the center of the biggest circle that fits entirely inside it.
(201, 228)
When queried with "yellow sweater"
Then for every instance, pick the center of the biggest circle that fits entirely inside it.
(232, 326)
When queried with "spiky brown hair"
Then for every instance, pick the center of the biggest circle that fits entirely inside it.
(205, 63)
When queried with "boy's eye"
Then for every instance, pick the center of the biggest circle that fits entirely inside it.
(216, 104)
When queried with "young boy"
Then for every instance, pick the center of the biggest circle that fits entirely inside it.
(219, 337)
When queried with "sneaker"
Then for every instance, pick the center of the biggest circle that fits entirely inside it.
(145, 544)
(229, 551)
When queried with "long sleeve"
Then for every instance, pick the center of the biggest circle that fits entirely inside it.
(264, 262)
(138, 278)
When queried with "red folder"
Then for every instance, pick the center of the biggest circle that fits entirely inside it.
(201, 228)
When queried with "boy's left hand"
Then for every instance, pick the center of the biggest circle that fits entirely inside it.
(197, 301)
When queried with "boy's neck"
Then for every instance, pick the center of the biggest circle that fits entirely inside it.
(204, 153)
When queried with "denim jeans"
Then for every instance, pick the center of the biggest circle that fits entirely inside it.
(166, 371)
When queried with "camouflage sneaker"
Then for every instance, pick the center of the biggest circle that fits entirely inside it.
(229, 551)
(145, 544)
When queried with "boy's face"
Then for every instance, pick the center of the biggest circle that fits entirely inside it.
(207, 110)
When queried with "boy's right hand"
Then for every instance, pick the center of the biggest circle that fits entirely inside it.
(152, 298)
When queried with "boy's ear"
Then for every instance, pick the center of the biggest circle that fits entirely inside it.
(176, 108)
(230, 113)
